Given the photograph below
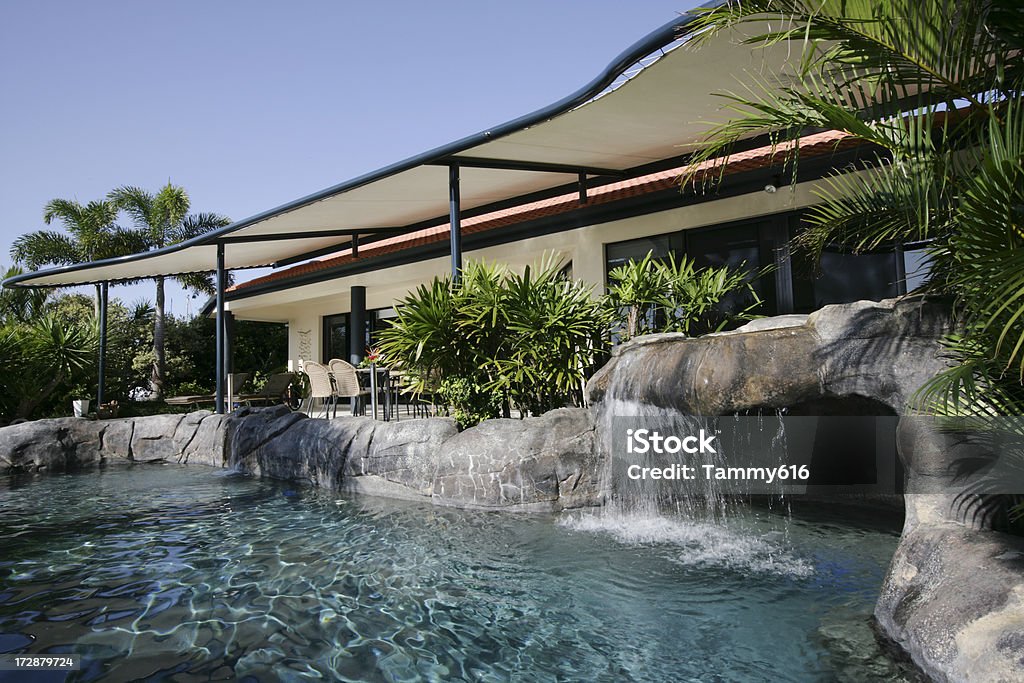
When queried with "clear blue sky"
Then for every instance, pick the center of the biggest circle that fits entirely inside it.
(251, 104)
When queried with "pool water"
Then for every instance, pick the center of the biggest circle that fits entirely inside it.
(187, 574)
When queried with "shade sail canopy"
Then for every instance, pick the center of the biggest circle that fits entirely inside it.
(648, 105)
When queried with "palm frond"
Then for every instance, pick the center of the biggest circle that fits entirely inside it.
(171, 204)
(45, 247)
(137, 203)
(196, 224)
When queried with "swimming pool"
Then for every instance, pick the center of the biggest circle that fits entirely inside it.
(178, 573)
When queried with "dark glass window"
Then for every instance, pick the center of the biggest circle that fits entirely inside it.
(619, 253)
(842, 278)
(335, 337)
(336, 331)
(748, 246)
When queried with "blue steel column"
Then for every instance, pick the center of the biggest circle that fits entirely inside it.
(455, 216)
(219, 325)
(101, 370)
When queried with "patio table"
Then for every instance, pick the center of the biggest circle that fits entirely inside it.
(378, 376)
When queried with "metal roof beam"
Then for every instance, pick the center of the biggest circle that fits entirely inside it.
(513, 165)
(338, 246)
(308, 234)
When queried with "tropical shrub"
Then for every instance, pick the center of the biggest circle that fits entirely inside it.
(471, 403)
(653, 295)
(498, 339)
(39, 357)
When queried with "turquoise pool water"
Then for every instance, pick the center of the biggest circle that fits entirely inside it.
(186, 574)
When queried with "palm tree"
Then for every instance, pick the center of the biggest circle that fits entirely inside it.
(22, 304)
(162, 219)
(935, 87)
(91, 234)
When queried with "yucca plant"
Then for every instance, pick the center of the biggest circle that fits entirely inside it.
(39, 357)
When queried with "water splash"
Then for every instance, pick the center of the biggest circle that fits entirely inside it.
(696, 521)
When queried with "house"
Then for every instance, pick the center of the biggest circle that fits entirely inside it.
(594, 178)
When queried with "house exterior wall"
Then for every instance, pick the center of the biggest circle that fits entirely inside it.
(304, 307)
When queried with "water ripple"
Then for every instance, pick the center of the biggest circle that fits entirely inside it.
(168, 573)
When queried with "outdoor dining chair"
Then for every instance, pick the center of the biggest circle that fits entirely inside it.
(346, 385)
(320, 387)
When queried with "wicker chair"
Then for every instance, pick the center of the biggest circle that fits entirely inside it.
(320, 387)
(346, 385)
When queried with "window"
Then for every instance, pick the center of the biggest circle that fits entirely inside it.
(620, 253)
(916, 265)
(335, 337)
(796, 284)
(336, 331)
(379, 321)
(747, 245)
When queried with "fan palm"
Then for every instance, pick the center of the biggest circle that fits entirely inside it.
(162, 219)
(934, 88)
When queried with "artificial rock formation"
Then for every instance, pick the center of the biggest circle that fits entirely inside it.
(953, 598)
(546, 463)
(954, 594)
(71, 443)
(883, 351)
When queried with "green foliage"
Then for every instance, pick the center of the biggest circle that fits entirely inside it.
(633, 291)
(471, 403)
(39, 357)
(668, 296)
(22, 304)
(498, 338)
(554, 332)
(936, 86)
(162, 219)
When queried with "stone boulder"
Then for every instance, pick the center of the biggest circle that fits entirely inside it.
(399, 459)
(34, 446)
(70, 443)
(279, 444)
(881, 350)
(153, 438)
(546, 463)
(954, 601)
(201, 438)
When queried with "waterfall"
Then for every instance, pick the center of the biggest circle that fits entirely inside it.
(701, 520)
